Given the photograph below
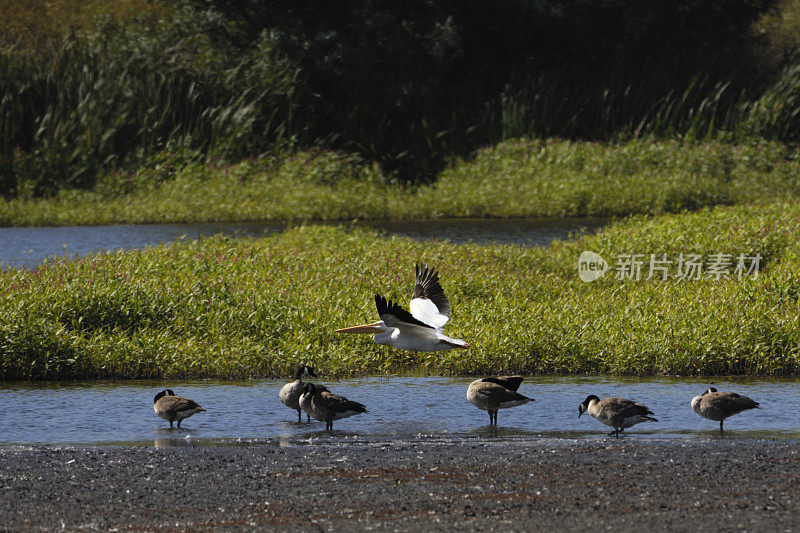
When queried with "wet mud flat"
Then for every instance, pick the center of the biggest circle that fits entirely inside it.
(422, 485)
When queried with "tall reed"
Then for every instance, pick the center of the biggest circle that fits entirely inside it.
(97, 100)
(205, 84)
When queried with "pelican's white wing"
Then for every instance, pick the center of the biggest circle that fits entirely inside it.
(429, 305)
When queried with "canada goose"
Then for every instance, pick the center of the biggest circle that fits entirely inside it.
(305, 398)
(290, 393)
(491, 395)
(326, 407)
(172, 408)
(718, 406)
(618, 413)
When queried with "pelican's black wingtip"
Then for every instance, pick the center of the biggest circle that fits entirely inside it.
(424, 273)
(382, 304)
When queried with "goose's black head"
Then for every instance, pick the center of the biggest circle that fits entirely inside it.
(709, 390)
(304, 370)
(166, 392)
(309, 388)
(585, 405)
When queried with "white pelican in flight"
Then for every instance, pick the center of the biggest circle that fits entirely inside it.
(421, 329)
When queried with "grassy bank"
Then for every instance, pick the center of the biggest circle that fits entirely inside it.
(224, 307)
(518, 178)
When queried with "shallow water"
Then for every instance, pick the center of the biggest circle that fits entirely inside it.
(30, 246)
(399, 408)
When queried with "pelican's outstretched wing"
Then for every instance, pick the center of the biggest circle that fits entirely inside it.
(428, 304)
(395, 316)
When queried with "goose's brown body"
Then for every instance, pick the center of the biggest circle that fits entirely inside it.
(174, 408)
(509, 382)
(326, 407)
(493, 394)
(619, 413)
(718, 406)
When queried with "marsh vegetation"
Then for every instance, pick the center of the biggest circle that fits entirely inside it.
(99, 96)
(237, 308)
(683, 114)
(516, 178)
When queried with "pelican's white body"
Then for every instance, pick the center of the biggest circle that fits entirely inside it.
(415, 338)
(417, 330)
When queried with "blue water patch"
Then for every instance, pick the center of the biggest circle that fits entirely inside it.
(399, 408)
(30, 246)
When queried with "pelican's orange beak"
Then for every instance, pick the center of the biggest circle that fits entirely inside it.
(366, 328)
(455, 345)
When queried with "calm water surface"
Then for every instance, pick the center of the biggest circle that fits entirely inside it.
(29, 246)
(399, 407)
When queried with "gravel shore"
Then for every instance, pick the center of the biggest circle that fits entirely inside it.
(425, 485)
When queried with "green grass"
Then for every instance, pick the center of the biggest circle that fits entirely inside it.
(234, 308)
(518, 178)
